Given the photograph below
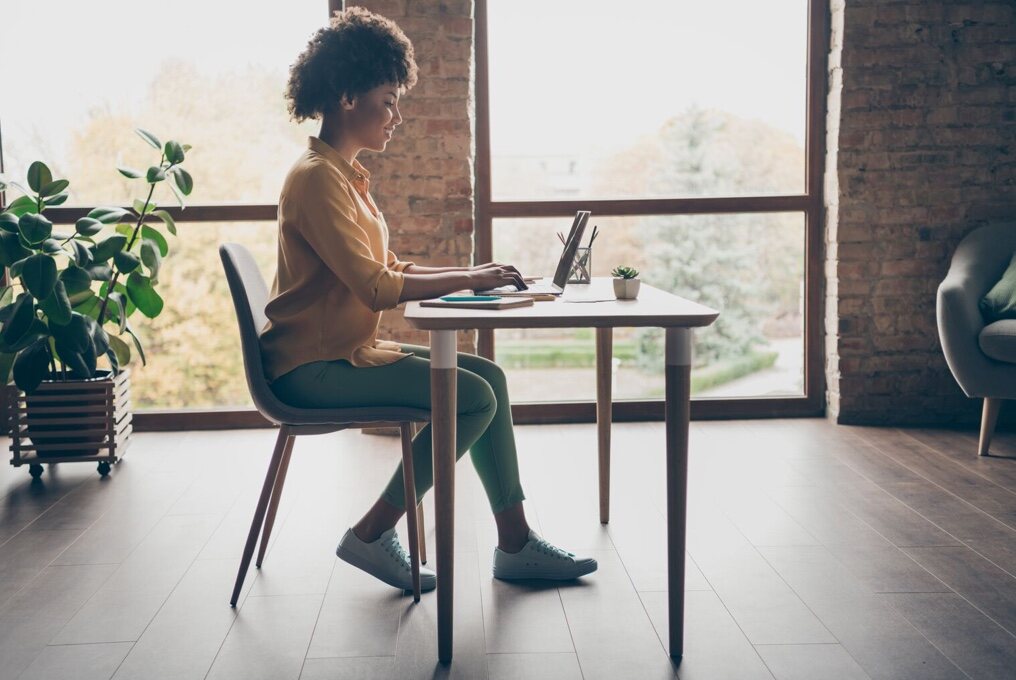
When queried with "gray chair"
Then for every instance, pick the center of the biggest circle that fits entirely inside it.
(250, 294)
(982, 357)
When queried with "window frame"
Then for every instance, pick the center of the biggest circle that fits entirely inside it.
(810, 204)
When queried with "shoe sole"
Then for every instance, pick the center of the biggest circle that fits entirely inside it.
(365, 566)
(546, 575)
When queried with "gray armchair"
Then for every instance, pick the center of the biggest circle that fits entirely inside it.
(981, 356)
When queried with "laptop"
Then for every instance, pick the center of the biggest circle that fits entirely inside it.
(564, 265)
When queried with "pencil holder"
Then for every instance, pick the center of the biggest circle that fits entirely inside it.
(582, 266)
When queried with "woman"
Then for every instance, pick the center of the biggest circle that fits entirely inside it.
(335, 275)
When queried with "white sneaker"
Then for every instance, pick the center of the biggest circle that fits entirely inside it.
(540, 559)
(384, 559)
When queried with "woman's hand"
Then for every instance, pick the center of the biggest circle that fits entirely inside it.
(492, 275)
(490, 265)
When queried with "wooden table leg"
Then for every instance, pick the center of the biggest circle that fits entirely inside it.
(443, 361)
(678, 411)
(604, 366)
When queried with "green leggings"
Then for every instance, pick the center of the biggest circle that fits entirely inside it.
(483, 421)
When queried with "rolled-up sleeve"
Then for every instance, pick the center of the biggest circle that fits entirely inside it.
(394, 263)
(329, 227)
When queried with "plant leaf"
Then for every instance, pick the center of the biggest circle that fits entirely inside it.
(105, 249)
(23, 205)
(126, 262)
(86, 303)
(121, 348)
(108, 215)
(141, 208)
(167, 218)
(57, 306)
(99, 271)
(99, 336)
(137, 345)
(82, 255)
(179, 196)
(53, 247)
(59, 199)
(117, 311)
(75, 279)
(183, 180)
(174, 152)
(153, 234)
(155, 174)
(35, 228)
(11, 250)
(54, 187)
(6, 361)
(150, 138)
(141, 293)
(151, 257)
(114, 363)
(39, 176)
(30, 365)
(129, 173)
(88, 226)
(20, 319)
(9, 222)
(39, 275)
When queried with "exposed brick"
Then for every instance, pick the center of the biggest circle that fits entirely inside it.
(922, 132)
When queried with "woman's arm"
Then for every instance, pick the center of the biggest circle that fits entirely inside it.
(426, 286)
(418, 269)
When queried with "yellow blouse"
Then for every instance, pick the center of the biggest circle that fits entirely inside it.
(335, 273)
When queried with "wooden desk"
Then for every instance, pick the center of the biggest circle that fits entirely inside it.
(654, 307)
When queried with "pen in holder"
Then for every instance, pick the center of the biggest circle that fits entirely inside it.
(582, 266)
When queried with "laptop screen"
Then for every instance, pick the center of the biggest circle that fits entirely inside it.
(564, 265)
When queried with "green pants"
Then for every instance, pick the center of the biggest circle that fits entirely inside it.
(483, 420)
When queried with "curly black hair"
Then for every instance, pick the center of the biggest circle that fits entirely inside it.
(358, 51)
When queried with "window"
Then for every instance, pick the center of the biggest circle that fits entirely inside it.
(693, 131)
(122, 64)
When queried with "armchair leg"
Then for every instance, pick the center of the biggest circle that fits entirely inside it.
(259, 513)
(989, 417)
(411, 516)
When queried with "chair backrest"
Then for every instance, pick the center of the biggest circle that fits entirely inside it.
(250, 295)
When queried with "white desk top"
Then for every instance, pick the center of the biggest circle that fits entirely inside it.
(653, 307)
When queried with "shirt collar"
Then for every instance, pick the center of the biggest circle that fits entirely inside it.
(354, 172)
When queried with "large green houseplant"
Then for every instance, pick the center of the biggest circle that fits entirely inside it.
(67, 300)
(69, 296)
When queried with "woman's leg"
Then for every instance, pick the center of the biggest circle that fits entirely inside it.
(494, 456)
(337, 384)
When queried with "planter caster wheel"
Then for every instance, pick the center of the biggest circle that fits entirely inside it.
(103, 469)
(35, 470)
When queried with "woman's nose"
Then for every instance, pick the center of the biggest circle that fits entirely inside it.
(398, 117)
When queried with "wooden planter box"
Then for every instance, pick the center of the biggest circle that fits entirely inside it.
(73, 421)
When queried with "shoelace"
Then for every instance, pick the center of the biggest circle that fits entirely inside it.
(552, 550)
(394, 547)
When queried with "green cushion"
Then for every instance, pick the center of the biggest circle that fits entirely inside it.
(1000, 302)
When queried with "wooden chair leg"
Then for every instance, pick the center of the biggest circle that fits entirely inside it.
(273, 505)
(989, 417)
(423, 532)
(422, 528)
(259, 513)
(410, 484)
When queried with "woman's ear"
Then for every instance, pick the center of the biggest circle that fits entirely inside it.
(347, 102)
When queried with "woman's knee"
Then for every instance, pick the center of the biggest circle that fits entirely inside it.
(485, 368)
(476, 395)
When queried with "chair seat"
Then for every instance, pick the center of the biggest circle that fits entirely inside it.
(998, 340)
(345, 417)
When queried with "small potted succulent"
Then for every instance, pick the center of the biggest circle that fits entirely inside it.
(65, 304)
(626, 282)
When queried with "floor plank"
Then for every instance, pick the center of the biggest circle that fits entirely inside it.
(814, 551)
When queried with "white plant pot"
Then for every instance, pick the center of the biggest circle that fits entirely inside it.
(626, 289)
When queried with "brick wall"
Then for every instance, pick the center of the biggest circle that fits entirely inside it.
(922, 149)
(423, 182)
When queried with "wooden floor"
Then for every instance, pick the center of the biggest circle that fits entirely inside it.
(815, 552)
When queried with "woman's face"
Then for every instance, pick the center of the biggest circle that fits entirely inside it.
(371, 118)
